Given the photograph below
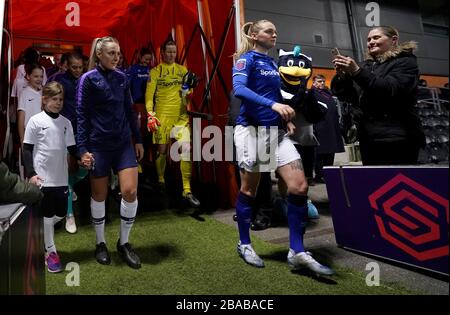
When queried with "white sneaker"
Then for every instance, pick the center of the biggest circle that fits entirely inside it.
(248, 254)
(74, 196)
(71, 227)
(305, 260)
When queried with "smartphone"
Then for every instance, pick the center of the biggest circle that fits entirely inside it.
(335, 52)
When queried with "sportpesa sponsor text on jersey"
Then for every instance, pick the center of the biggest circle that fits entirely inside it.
(257, 82)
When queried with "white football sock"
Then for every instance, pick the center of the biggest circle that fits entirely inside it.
(98, 219)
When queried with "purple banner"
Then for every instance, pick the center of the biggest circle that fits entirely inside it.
(399, 213)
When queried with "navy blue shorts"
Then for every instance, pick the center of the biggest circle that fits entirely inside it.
(117, 160)
(54, 201)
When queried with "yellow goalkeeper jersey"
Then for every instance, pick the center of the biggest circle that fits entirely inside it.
(163, 93)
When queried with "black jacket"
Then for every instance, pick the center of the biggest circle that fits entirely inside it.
(385, 94)
(327, 130)
(13, 190)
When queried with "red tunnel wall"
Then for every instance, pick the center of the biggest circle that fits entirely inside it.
(136, 23)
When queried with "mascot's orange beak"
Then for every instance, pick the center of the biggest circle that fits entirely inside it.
(292, 75)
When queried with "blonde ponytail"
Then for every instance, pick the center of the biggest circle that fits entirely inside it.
(97, 47)
(247, 42)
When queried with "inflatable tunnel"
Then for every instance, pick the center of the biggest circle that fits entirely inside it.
(203, 29)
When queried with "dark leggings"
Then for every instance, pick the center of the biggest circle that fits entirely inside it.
(307, 153)
(323, 159)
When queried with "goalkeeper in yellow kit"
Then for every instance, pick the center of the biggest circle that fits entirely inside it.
(165, 100)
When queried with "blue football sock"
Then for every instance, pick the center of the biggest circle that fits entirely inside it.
(244, 207)
(297, 218)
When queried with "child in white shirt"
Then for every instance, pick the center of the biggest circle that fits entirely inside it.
(48, 137)
(30, 98)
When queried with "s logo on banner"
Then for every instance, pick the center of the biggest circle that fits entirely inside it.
(408, 215)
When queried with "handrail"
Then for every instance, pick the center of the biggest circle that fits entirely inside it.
(8, 127)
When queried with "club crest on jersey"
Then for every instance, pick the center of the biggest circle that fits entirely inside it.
(241, 64)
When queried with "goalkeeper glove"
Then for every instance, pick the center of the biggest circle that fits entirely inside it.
(153, 123)
(190, 80)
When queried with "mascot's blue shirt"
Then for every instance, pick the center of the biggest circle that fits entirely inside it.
(256, 82)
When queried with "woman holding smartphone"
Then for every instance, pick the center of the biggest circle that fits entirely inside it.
(388, 128)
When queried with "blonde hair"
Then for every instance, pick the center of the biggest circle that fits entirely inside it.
(396, 48)
(247, 42)
(389, 31)
(51, 89)
(97, 46)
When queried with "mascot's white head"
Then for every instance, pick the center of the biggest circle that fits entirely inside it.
(294, 67)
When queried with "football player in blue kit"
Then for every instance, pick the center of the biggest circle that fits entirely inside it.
(256, 82)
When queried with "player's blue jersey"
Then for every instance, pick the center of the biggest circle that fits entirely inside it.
(256, 82)
(138, 77)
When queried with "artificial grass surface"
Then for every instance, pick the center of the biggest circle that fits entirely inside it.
(184, 256)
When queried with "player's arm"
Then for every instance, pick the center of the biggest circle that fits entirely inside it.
(83, 114)
(152, 122)
(131, 115)
(241, 73)
(150, 90)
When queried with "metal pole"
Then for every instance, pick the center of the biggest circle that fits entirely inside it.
(237, 24)
(357, 49)
(218, 55)
(187, 47)
(2, 16)
(200, 19)
(214, 61)
(209, 52)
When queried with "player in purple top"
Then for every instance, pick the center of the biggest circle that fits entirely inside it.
(106, 124)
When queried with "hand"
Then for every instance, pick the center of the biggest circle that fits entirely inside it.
(290, 128)
(153, 123)
(345, 64)
(286, 112)
(36, 180)
(87, 160)
(184, 91)
(139, 148)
